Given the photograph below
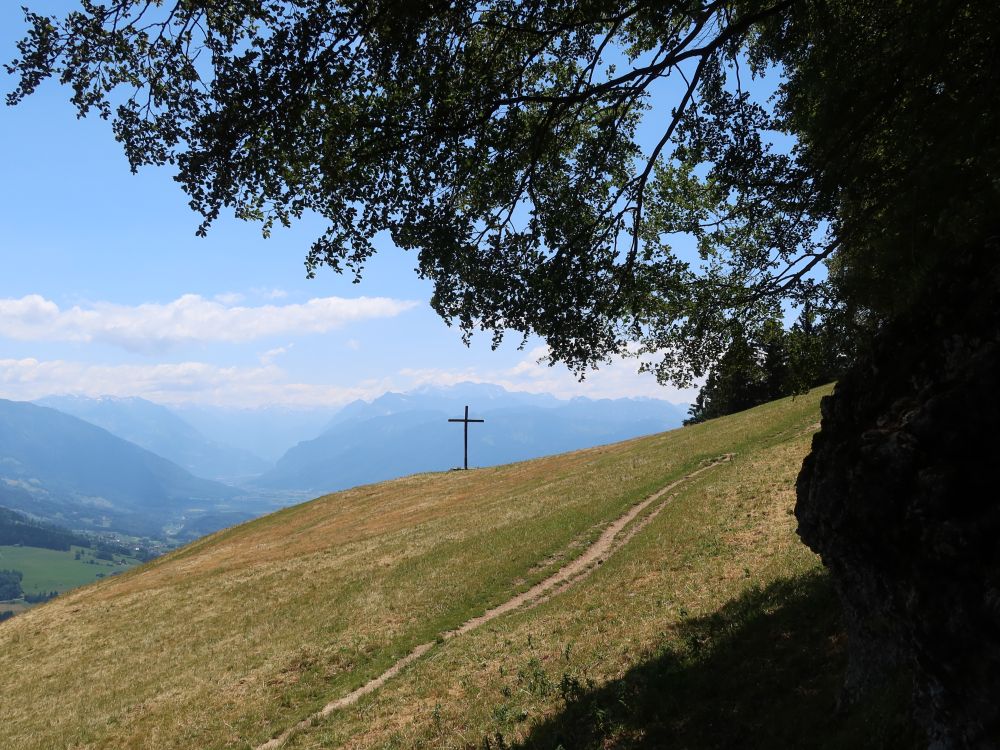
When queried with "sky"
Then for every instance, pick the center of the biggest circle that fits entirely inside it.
(106, 290)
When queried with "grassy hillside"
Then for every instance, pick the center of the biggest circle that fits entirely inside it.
(711, 627)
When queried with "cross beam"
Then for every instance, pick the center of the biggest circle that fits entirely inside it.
(465, 422)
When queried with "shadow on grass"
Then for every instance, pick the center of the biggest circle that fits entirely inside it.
(762, 672)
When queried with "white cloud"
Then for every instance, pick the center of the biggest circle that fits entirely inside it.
(190, 318)
(268, 384)
(532, 366)
(416, 377)
(353, 344)
(268, 357)
(618, 379)
(229, 298)
(182, 382)
(265, 293)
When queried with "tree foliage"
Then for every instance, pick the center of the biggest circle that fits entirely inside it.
(498, 140)
(40, 597)
(16, 528)
(507, 143)
(770, 362)
(10, 584)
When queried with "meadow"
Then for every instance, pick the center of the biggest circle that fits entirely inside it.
(712, 627)
(58, 570)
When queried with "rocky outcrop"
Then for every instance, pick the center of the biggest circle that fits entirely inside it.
(901, 498)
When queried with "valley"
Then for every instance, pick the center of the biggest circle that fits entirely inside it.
(130, 466)
(47, 570)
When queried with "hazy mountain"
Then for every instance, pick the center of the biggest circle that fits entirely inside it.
(158, 429)
(484, 396)
(266, 432)
(73, 473)
(400, 434)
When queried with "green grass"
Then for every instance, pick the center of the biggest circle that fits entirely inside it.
(228, 641)
(55, 570)
(759, 672)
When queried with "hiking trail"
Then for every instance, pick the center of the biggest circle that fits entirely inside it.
(610, 540)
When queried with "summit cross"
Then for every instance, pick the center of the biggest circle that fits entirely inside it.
(466, 421)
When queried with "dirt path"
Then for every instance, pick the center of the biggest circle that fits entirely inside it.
(610, 540)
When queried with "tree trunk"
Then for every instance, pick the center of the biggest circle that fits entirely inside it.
(901, 498)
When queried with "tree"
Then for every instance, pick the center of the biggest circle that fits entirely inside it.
(769, 363)
(10, 584)
(501, 142)
(750, 372)
(492, 139)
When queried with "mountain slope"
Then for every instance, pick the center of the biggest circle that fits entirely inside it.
(157, 429)
(76, 474)
(399, 434)
(18, 529)
(237, 637)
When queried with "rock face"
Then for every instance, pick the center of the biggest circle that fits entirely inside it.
(901, 498)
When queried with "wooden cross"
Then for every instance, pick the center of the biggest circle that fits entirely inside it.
(466, 421)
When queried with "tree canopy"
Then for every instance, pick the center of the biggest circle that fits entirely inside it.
(542, 158)
(770, 362)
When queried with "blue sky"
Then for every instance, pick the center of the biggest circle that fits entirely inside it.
(106, 290)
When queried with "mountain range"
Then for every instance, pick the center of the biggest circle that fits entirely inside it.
(136, 467)
(399, 434)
